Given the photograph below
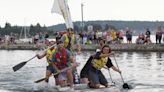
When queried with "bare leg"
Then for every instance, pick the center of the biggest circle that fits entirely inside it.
(56, 80)
(70, 77)
(91, 85)
(48, 74)
(106, 85)
(84, 80)
(62, 83)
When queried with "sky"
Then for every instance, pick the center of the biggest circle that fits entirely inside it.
(27, 12)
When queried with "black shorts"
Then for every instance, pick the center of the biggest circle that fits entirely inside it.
(129, 39)
(51, 69)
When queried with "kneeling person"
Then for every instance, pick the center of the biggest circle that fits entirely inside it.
(100, 60)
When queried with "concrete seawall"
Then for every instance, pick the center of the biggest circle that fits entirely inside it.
(131, 47)
(18, 47)
(93, 47)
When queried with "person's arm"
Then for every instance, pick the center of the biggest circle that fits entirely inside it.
(106, 55)
(110, 65)
(101, 55)
(71, 58)
(78, 47)
(116, 69)
(42, 55)
(53, 62)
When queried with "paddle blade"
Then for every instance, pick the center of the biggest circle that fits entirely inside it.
(126, 86)
(40, 80)
(18, 66)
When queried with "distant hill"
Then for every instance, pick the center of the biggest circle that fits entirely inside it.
(135, 25)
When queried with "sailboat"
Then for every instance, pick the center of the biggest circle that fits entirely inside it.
(24, 35)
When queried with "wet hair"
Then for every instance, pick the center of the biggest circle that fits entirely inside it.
(107, 47)
(70, 29)
(101, 39)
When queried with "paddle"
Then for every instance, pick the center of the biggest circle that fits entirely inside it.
(20, 65)
(113, 83)
(42, 79)
(125, 85)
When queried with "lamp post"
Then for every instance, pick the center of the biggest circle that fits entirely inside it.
(82, 21)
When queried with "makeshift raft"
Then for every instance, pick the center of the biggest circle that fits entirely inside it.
(83, 88)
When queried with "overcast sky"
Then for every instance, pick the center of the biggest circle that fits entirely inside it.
(26, 12)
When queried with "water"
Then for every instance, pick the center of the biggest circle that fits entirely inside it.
(143, 70)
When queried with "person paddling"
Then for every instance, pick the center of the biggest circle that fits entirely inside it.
(61, 59)
(71, 43)
(85, 69)
(100, 60)
(48, 55)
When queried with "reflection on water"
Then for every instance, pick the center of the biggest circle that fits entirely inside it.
(143, 70)
(159, 55)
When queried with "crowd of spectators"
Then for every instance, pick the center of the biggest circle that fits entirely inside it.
(92, 37)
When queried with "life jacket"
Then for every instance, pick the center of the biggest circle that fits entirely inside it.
(99, 63)
(49, 55)
(67, 40)
(62, 56)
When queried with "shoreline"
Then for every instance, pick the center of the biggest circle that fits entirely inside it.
(115, 47)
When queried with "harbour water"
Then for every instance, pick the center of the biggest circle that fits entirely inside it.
(143, 70)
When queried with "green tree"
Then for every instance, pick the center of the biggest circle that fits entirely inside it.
(7, 26)
(106, 27)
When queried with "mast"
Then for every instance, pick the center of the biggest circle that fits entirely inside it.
(24, 31)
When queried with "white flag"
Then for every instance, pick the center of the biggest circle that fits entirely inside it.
(61, 7)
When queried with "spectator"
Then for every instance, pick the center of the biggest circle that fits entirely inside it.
(158, 35)
(148, 33)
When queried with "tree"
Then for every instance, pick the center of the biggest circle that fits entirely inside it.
(7, 25)
(106, 27)
(97, 27)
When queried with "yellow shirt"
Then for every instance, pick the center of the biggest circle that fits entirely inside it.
(66, 41)
(49, 55)
(100, 63)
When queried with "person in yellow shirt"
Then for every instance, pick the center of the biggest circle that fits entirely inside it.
(85, 69)
(70, 42)
(48, 55)
(100, 60)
